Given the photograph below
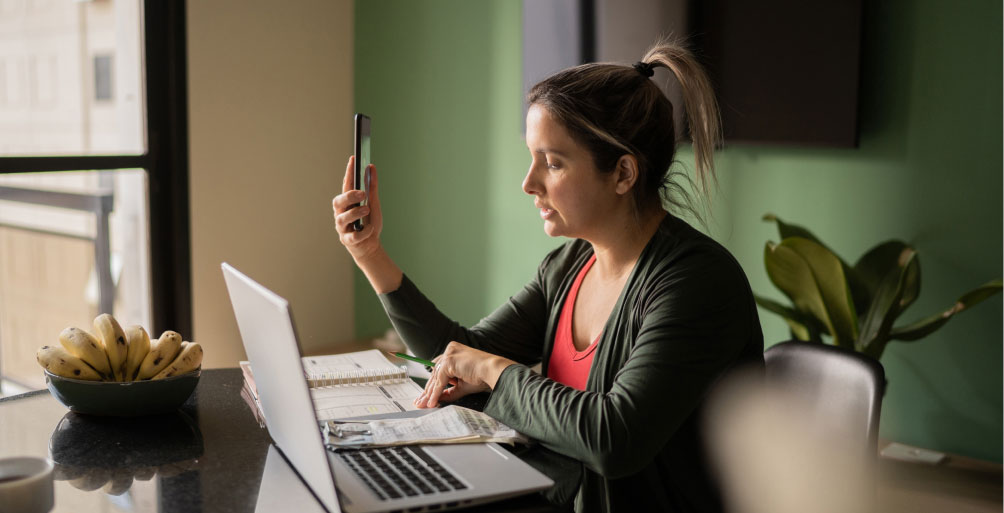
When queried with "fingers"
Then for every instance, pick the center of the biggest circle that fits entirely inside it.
(422, 401)
(437, 381)
(346, 218)
(374, 199)
(345, 200)
(441, 380)
(434, 387)
(350, 197)
(372, 183)
(350, 237)
(458, 390)
(349, 171)
(457, 366)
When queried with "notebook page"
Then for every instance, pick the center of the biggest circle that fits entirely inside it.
(370, 399)
(361, 363)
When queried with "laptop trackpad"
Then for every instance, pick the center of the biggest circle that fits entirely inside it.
(475, 464)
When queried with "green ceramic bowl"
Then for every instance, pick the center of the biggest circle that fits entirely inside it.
(128, 399)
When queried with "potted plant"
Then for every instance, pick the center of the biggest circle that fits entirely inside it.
(855, 305)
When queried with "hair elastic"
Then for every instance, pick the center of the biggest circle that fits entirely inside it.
(645, 68)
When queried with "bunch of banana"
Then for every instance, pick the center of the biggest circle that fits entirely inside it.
(118, 354)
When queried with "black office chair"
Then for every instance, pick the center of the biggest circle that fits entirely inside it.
(800, 436)
(836, 383)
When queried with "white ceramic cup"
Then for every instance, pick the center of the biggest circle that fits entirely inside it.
(26, 485)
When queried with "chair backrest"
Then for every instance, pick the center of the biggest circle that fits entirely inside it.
(834, 383)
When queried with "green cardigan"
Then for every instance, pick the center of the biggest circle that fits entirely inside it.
(686, 315)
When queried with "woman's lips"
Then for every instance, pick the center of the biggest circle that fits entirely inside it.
(546, 213)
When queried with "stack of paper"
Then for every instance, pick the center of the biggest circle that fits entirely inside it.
(448, 425)
(249, 392)
(347, 385)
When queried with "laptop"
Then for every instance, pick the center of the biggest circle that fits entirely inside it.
(405, 478)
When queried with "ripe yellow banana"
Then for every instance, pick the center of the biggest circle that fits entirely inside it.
(61, 363)
(112, 336)
(83, 345)
(139, 346)
(188, 360)
(162, 353)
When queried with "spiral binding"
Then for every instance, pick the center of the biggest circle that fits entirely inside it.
(356, 377)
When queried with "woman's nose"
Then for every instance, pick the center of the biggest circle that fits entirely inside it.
(530, 183)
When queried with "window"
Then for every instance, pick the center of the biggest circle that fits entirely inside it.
(61, 80)
(93, 173)
(72, 245)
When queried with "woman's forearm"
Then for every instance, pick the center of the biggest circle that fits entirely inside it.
(383, 274)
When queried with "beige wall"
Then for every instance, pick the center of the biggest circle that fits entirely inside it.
(270, 128)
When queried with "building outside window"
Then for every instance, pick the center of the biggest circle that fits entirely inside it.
(73, 243)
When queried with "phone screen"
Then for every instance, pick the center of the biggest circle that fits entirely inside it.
(362, 152)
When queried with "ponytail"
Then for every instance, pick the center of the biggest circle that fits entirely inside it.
(703, 116)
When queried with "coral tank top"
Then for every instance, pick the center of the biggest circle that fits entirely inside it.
(567, 365)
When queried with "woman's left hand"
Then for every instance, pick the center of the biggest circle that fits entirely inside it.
(469, 371)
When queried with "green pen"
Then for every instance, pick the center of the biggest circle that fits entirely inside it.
(428, 365)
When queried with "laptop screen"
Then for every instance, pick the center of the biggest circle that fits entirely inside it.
(266, 326)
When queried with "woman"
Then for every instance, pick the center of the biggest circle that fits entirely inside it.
(633, 319)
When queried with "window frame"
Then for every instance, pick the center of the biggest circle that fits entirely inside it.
(165, 162)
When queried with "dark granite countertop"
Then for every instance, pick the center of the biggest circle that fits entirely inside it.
(208, 456)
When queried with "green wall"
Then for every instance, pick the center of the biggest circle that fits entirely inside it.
(442, 82)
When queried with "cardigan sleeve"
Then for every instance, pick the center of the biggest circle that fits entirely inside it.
(693, 327)
(515, 330)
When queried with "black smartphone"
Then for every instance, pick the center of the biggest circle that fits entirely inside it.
(362, 149)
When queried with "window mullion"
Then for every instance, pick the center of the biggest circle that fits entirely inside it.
(72, 163)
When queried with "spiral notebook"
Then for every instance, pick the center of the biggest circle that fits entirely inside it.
(355, 384)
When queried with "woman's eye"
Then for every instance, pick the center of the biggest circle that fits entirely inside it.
(554, 165)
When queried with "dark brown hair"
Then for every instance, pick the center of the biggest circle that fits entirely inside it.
(615, 110)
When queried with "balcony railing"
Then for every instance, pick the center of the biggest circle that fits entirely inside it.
(100, 204)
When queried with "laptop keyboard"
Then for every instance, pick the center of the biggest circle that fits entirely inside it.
(403, 471)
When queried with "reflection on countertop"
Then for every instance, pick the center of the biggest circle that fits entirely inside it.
(109, 452)
(206, 456)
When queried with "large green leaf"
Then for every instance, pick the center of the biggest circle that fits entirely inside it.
(792, 275)
(885, 307)
(799, 331)
(803, 327)
(812, 277)
(785, 230)
(859, 290)
(778, 308)
(911, 285)
(921, 328)
(978, 294)
(828, 272)
(877, 262)
(928, 325)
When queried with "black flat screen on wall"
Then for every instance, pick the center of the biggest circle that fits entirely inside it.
(786, 71)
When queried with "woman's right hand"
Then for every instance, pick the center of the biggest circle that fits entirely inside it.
(347, 210)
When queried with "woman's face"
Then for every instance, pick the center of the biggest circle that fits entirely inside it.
(574, 197)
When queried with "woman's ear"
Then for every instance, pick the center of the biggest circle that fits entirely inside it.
(627, 173)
